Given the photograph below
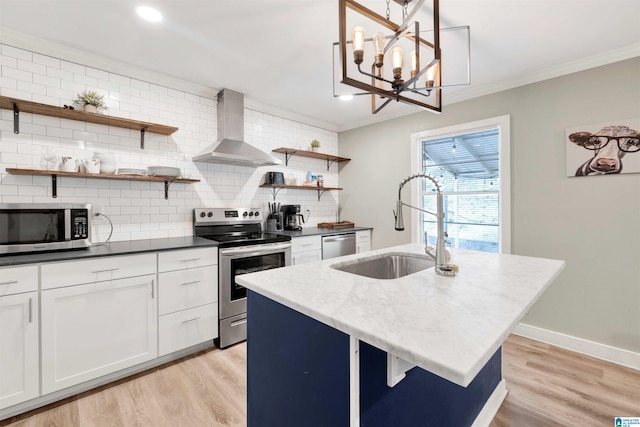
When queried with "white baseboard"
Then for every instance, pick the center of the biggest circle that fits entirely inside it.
(579, 345)
(490, 408)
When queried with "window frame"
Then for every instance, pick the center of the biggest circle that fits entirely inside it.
(502, 123)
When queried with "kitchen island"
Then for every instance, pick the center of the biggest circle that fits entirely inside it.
(328, 347)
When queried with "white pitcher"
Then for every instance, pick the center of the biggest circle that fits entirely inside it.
(91, 165)
(69, 164)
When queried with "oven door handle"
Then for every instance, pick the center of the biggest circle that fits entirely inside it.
(258, 249)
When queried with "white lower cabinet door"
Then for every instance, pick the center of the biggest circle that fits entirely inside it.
(96, 329)
(19, 366)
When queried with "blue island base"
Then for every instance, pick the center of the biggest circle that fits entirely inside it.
(298, 375)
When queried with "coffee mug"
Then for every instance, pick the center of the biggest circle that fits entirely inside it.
(91, 165)
(69, 164)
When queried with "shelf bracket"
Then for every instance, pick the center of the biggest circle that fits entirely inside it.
(54, 186)
(320, 193)
(142, 132)
(276, 190)
(329, 163)
(287, 156)
(16, 118)
(166, 189)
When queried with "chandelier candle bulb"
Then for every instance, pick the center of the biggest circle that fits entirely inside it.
(431, 74)
(396, 61)
(358, 44)
(378, 43)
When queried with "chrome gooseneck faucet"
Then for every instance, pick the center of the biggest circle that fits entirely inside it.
(440, 257)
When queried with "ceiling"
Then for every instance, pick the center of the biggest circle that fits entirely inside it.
(279, 52)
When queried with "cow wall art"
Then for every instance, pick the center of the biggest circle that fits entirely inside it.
(604, 149)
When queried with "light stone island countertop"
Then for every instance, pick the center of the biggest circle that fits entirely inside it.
(450, 326)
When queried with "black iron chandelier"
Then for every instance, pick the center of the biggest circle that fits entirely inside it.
(378, 59)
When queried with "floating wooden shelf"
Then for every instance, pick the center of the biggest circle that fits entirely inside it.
(277, 187)
(55, 174)
(288, 152)
(18, 105)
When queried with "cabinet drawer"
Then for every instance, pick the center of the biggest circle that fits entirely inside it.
(188, 288)
(93, 270)
(188, 327)
(309, 243)
(16, 280)
(362, 236)
(187, 258)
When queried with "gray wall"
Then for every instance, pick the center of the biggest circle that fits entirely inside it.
(593, 223)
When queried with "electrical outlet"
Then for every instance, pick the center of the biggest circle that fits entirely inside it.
(97, 210)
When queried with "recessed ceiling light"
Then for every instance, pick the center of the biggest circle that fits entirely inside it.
(346, 97)
(149, 13)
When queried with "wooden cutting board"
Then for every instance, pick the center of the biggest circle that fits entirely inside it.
(341, 224)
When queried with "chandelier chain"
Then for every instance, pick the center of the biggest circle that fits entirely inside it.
(404, 10)
(388, 10)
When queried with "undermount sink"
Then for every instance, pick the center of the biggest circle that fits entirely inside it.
(390, 266)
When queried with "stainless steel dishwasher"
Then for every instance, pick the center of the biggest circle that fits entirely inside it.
(338, 245)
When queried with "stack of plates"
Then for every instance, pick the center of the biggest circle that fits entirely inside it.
(125, 171)
(164, 171)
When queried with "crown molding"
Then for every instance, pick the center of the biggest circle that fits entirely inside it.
(609, 57)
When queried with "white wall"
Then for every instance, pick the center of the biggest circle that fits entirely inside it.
(138, 209)
(592, 222)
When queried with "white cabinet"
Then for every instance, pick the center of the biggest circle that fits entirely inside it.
(188, 298)
(19, 349)
(306, 249)
(363, 241)
(100, 327)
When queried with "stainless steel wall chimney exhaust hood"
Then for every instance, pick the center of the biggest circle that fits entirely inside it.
(230, 147)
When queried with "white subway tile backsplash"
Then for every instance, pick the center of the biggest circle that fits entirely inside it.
(9, 83)
(32, 67)
(73, 67)
(138, 209)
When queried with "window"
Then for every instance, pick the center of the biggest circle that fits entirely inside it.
(471, 163)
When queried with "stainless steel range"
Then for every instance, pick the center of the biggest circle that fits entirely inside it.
(243, 248)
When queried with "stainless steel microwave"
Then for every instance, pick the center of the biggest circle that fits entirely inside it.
(33, 227)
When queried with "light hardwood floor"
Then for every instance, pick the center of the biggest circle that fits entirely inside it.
(547, 386)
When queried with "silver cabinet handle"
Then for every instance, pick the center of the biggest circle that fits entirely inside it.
(10, 282)
(192, 259)
(105, 270)
(339, 239)
(307, 244)
(152, 289)
(238, 322)
(191, 320)
(261, 249)
(190, 283)
(30, 311)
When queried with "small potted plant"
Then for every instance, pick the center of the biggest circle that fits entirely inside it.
(315, 144)
(92, 101)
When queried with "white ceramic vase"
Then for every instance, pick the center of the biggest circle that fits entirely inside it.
(90, 108)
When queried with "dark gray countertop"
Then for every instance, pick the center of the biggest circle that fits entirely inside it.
(315, 231)
(110, 249)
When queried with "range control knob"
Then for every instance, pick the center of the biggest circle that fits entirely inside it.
(257, 213)
(250, 213)
(245, 213)
(202, 214)
(210, 214)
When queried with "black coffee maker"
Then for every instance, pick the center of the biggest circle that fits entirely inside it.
(293, 219)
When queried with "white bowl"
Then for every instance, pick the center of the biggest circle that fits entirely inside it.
(107, 168)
